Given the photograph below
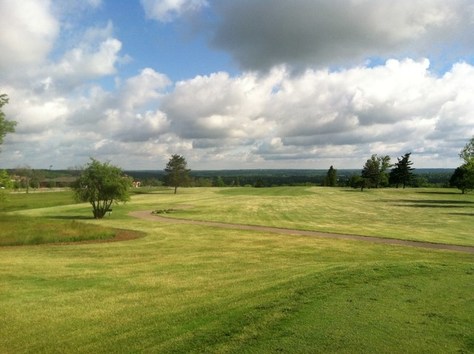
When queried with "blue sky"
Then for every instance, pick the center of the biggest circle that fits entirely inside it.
(236, 84)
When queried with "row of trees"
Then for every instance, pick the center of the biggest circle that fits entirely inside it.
(375, 173)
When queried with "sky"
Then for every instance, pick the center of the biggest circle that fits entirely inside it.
(236, 84)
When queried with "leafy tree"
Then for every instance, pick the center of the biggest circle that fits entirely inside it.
(36, 177)
(102, 184)
(5, 180)
(218, 182)
(5, 183)
(203, 182)
(463, 178)
(374, 171)
(6, 126)
(331, 177)
(467, 153)
(25, 173)
(177, 174)
(402, 172)
(358, 182)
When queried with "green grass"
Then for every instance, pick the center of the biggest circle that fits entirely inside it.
(21, 230)
(432, 215)
(18, 229)
(21, 201)
(199, 289)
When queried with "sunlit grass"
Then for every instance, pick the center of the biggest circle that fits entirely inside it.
(432, 215)
(196, 289)
(22, 201)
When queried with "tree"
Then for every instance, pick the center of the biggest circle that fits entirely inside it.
(218, 182)
(177, 174)
(5, 180)
(374, 171)
(467, 153)
(102, 184)
(25, 174)
(331, 177)
(402, 173)
(5, 183)
(358, 182)
(6, 126)
(463, 176)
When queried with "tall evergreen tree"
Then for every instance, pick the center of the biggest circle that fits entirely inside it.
(331, 177)
(402, 171)
(177, 173)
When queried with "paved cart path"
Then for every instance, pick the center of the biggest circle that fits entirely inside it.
(147, 215)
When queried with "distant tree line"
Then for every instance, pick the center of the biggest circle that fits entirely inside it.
(377, 172)
(46, 178)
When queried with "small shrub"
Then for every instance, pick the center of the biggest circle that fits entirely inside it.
(162, 211)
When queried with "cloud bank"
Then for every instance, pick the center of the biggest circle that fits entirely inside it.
(322, 83)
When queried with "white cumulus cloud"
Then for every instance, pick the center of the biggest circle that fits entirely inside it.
(27, 32)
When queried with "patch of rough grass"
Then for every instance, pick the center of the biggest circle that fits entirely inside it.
(22, 201)
(21, 230)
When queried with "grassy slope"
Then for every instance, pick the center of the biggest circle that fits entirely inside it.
(199, 289)
(18, 229)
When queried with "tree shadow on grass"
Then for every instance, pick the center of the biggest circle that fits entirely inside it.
(441, 193)
(440, 202)
(435, 201)
(461, 214)
(69, 217)
(429, 203)
(432, 206)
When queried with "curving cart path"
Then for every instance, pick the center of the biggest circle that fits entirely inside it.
(147, 215)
